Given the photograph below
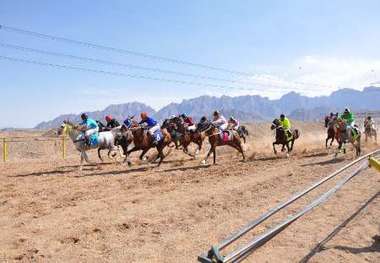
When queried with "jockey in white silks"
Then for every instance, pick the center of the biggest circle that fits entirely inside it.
(91, 127)
(219, 121)
(233, 123)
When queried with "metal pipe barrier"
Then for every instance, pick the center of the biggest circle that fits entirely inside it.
(214, 254)
(18, 139)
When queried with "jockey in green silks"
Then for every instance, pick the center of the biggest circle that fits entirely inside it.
(349, 118)
(286, 125)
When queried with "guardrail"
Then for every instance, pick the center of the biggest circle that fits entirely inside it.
(7, 140)
(214, 255)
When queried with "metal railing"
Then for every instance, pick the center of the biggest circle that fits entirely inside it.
(214, 255)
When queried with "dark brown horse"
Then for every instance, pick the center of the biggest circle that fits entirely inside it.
(215, 139)
(343, 137)
(330, 122)
(142, 141)
(282, 138)
(178, 130)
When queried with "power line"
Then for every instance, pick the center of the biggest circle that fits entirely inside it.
(135, 53)
(107, 62)
(121, 74)
(119, 50)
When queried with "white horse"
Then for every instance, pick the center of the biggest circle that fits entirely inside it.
(106, 140)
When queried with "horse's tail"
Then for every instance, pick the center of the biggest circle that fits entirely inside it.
(297, 134)
(245, 131)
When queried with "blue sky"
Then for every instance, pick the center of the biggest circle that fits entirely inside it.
(313, 47)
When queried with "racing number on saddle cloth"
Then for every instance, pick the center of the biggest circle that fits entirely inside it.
(158, 135)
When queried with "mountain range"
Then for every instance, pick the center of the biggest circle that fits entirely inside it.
(246, 108)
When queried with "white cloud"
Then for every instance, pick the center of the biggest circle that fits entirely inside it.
(313, 76)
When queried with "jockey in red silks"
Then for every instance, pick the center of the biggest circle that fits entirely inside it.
(111, 122)
(188, 121)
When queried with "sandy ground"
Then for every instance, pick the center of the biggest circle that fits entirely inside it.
(51, 212)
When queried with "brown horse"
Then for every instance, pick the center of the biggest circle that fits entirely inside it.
(282, 138)
(215, 139)
(184, 136)
(342, 138)
(142, 141)
(330, 122)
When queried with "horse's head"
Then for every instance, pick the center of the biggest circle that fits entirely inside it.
(65, 128)
(206, 127)
(275, 124)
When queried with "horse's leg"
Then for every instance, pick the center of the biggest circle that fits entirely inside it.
(86, 157)
(327, 139)
(214, 155)
(239, 147)
(99, 155)
(81, 161)
(161, 155)
(143, 153)
(209, 153)
(274, 148)
(289, 148)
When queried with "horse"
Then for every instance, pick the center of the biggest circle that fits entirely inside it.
(370, 131)
(242, 132)
(215, 137)
(106, 140)
(329, 124)
(341, 137)
(282, 138)
(177, 128)
(142, 140)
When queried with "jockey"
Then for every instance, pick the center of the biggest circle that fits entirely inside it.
(369, 122)
(90, 125)
(349, 119)
(219, 121)
(233, 123)
(188, 121)
(286, 125)
(111, 122)
(151, 124)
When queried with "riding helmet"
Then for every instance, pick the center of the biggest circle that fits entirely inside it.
(84, 116)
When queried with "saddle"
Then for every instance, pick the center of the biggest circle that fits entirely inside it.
(226, 135)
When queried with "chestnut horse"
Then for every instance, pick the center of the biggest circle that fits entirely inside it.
(185, 137)
(330, 122)
(142, 140)
(215, 139)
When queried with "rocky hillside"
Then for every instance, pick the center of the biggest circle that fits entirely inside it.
(119, 111)
(247, 108)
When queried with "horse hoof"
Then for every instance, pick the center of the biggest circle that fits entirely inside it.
(203, 162)
(287, 155)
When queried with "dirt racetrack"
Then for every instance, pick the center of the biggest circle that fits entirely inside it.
(51, 212)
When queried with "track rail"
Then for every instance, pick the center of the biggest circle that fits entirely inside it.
(214, 254)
